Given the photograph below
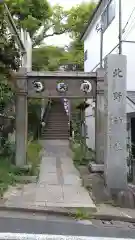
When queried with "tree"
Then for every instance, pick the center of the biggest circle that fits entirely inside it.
(9, 54)
(9, 59)
(47, 58)
(42, 21)
(73, 58)
(78, 18)
(38, 17)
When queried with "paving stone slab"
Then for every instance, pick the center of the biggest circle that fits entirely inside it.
(59, 185)
(49, 193)
(49, 178)
(72, 179)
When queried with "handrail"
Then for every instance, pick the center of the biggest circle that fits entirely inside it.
(46, 112)
(44, 117)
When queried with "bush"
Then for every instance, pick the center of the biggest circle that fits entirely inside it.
(33, 155)
(8, 171)
(8, 151)
(81, 154)
(34, 118)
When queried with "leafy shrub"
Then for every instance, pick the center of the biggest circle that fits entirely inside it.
(8, 151)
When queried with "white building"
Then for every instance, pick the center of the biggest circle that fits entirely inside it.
(108, 18)
(27, 42)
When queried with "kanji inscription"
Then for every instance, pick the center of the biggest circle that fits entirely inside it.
(115, 122)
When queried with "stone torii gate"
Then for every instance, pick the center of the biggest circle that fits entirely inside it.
(107, 86)
(108, 83)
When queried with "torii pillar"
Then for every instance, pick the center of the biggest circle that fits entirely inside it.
(21, 119)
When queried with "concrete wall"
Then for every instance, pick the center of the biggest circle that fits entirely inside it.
(90, 122)
(27, 59)
(128, 15)
(129, 51)
(110, 36)
(92, 46)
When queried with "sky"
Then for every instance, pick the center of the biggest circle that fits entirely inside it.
(64, 39)
(67, 3)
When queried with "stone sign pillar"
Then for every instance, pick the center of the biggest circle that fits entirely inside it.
(21, 121)
(115, 123)
(99, 117)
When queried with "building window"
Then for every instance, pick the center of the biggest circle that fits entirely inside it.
(104, 20)
(105, 2)
(111, 11)
(85, 55)
(108, 15)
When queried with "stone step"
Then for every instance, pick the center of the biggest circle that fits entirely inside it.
(53, 118)
(52, 124)
(54, 134)
(57, 110)
(57, 121)
(57, 125)
(58, 115)
(55, 129)
(55, 137)
(51, 131)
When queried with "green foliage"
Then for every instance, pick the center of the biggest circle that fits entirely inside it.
(9, 172)
(78, 17)
(82, 214)
(72, 21)
(81, 154)
(33, 155)
(30, 14)
(47, 58)
(75, 54)
(37, 17)
(6, 93)
(9, 60)
(6, 175)
(34, 115)
(50, 58)
(42, 20)
(8, 151)
(9, 55)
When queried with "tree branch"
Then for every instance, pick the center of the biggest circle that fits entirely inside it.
(41, 37)
(56, 33)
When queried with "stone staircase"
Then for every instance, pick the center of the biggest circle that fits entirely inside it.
(56, 123)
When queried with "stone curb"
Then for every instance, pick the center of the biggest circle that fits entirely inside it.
(106, 217)
(65, 212)
(61, 212)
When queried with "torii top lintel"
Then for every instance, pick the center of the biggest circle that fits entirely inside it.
(58, 84)
(58, 74)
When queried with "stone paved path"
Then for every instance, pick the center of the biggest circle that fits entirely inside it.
(59, 183)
